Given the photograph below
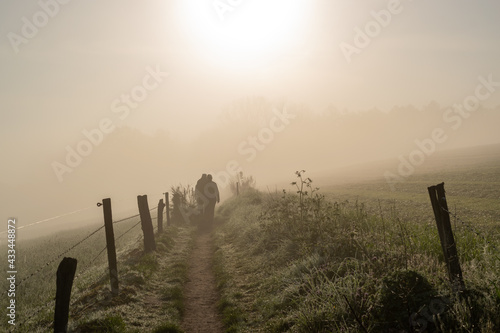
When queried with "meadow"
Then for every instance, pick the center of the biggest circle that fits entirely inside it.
(358, 257)
(353, 256)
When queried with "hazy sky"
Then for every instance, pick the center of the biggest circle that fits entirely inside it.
(66, 76)
(69, 66)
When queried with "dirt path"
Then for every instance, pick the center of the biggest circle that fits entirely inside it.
(201, 295)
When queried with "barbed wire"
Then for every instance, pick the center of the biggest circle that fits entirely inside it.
(89, 265)
(101, 252)
(105, 247)
(130, 217)
(53, 260)
(126, 218)
(471, 229)
(52, 299)
(50, 219)
(36, 272)
(97, 256)
(67, 214)
(37, 312)
(71, 248)
(84, 270)
(135, 225)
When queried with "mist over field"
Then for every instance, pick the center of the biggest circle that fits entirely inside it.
(125, 98)
(331, 145)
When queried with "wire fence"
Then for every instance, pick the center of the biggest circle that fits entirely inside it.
(473, 230)
(37, 311)
(130, 229)
(126, 219)
(50, 219)
(50, 302)
(46, 304)
(38, 270)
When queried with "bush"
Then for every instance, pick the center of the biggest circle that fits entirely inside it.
(403, 295)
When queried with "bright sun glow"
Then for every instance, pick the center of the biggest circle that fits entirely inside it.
(246, 33)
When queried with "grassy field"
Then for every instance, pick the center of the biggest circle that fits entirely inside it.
(350, 257)
(359, 257)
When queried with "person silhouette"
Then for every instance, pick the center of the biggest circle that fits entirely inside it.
(198, 189)
(201, 201)
(211, 194)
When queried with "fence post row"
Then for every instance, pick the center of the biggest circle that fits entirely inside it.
(65, 275)
(110, 245)
(67, 268)
(441, 213)
(146, 223)
(160, 216)
(167, 204)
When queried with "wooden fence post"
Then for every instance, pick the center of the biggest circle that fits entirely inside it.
(147, 224)
(167, 204)
(160, 216)
(441, 213)
(110, 245)
(65, 275)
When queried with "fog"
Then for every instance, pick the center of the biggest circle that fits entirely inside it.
(266, 140)
(126, 98)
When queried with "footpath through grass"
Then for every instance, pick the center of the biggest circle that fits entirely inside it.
(151, 287)
(299, 263)
(151, 290)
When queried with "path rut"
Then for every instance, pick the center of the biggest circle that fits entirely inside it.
(201, 296)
